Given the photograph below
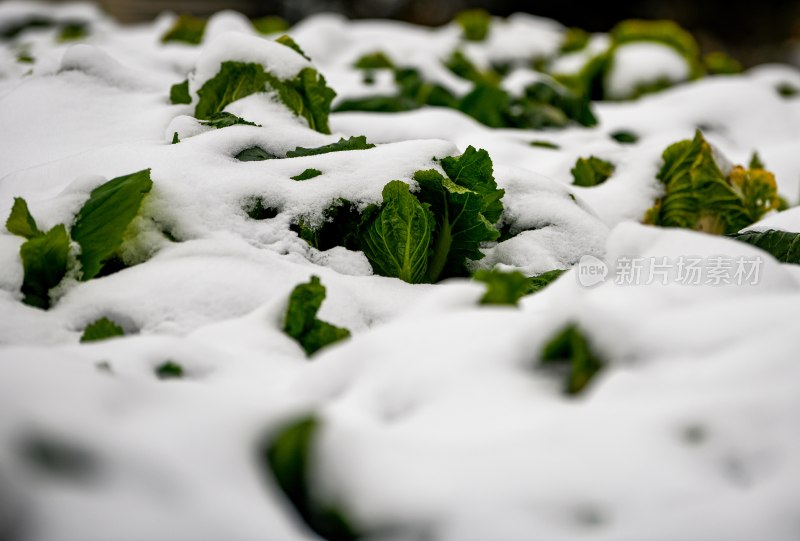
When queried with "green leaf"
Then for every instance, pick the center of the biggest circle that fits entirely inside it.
(625, 137)
(225, 120)
(460, 225)
(254, 154)
(271, 24)
(301, 321)
(697, 195)
(342, 226)
(549, 104)
(398, 239)
(591, 171)
(179, 93)
(541, 281)
(169, 370)
(665, 32)
(541, 143)
(575, 39)
(292, 44)
(20, 222)
(473, 170)
(413, 93)
(373, 61)
(474, 24)
(12, 29)
(502, 288)
(186, 29)
(570, 351)
(59, 459)
(782, 245)
(787, 90)
(73, 31)
(378, 104)
(44, 261)
(487, 104)
(352, 143)
(309, 96)
(234, 81)
(101, 329)
(719, 63)
(755, 162)
(25, 57)
(101, 223)
(508, 287)
(288, 456)
(307, 174)
(175, 139)
(258, 209)
(415, 89)
(461, 65)
(757, 190)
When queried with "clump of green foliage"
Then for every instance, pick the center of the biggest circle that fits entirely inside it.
(591, 79)
(570, 352)
(591, 171)
(287, 457)
(475, 24)
(697, 195)
(424, 236)
(169, 370)
(543, 104)
(100, 228)
(186, 29)
(307, 94)
(102, 329)
(270, 24)
(301, 321)
(508, 287)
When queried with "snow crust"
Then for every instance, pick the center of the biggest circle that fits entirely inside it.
(437, 421)
(639, 63)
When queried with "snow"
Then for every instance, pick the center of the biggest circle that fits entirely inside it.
(635, 64)
(437, 420)
(277, 59)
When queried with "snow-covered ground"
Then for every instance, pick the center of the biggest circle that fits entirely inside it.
(436, 420)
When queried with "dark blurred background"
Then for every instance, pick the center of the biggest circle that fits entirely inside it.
(754, 32)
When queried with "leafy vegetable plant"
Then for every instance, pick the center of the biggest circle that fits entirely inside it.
(698, 195)
(101, 223)
(99, 228)
(307, 94)
(428, 235)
